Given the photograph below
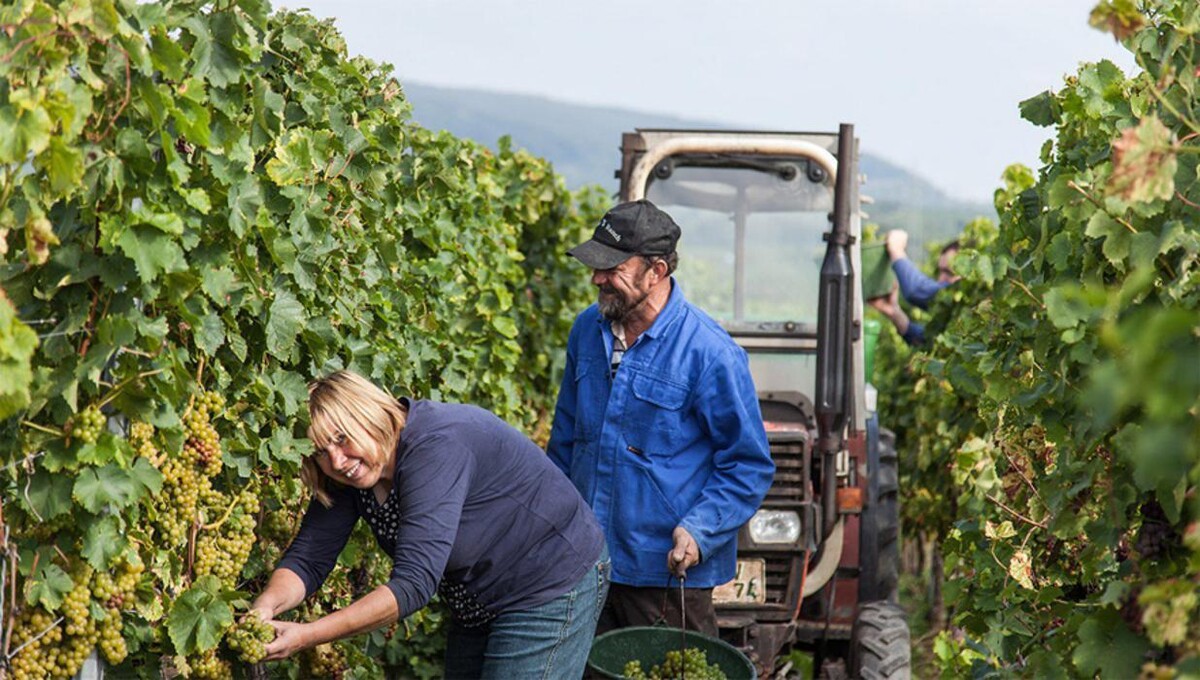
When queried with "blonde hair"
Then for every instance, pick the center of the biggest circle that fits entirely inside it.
(348, 403)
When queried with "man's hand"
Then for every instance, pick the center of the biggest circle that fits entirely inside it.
(896, 243)
(889, 306)
(684, 555)
(289, 639)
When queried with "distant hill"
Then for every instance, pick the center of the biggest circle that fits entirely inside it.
(583, 143)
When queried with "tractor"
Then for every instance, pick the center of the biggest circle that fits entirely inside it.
(771, 249)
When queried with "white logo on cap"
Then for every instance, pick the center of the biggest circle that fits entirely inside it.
(608, 227)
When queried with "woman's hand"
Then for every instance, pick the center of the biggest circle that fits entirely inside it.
(289, 639)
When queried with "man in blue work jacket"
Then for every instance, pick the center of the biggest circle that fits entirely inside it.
(917, 288)
(658, 426)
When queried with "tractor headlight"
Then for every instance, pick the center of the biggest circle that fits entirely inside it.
(775, 526)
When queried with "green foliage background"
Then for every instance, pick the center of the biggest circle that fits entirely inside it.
(1052, 430)
(206, 195)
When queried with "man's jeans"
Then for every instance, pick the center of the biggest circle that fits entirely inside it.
(550, 641)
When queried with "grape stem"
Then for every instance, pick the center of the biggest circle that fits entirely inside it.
(199, 372)
(228, 512)
(42, 428)
(1028, 292)
(112, 394)
(192, 546)
(1014, 513)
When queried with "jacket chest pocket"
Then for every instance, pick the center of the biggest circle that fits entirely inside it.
(655, 420)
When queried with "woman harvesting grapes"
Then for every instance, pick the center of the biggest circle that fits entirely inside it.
(465, 505)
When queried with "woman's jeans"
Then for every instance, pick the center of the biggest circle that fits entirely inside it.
(550, 641)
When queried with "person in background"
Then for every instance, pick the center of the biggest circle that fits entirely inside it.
(464, 504)
(658, 426)
(917, 288)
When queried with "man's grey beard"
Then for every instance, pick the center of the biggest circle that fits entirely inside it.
(616, 307)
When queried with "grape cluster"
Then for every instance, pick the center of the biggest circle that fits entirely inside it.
(87, 425)
(277, 526)
(203, 446)
(141, 437)
(187, 479)
(223, 550)
(62, 648)
(249, 637)
(1156, 537)
(323, 661)
(209, 666)
(690, 663)
(176, 505)
(47, 656)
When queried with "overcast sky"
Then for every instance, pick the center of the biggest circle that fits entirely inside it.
(932, 85)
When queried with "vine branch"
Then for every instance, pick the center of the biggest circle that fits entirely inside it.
(1014, 513)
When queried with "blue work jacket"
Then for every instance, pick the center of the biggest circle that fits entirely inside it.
(674, 439)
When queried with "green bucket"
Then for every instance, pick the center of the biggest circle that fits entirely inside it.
(871, 329)
(650, 644)
(877, 275)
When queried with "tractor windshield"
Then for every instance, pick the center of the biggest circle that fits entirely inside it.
(752, 244)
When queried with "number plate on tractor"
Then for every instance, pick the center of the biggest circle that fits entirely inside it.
(748, 586)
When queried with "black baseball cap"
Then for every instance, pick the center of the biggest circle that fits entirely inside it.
(634, 228)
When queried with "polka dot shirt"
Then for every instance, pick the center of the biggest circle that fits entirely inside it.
(384, 521)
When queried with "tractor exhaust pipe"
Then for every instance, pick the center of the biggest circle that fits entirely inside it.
(835, 314)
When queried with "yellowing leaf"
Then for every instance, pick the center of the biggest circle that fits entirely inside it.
(1119, 17)
(1020, 567)
(999, 531)
(39, 236)
(1144, 162)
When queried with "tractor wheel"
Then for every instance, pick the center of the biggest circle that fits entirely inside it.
(880, 528)
(879, 643)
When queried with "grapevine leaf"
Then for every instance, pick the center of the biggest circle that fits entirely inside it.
(1066, 308)
(49, 586)
(17, 344)
(102, 542)
(1046, 665)
(49, 494)
(1116, 237)
(285, 321)
(192, 121)
(1101, 87)
(39, 236)
(1041, 110)
(23, 131)
(282, 446)
(210, 335)
(64, 165)
(152, 252)
(293, 161)
(167, 55)
(97, 453)
(198, 199)
(292, 391)
(1108, 647)
(245, 198)
(505, 326)
(1144, 162)
(168, 223)
(1119, 17)
(219, 284)
(1020, 567)
(96, 488)
(199, 617)
(213, 58)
